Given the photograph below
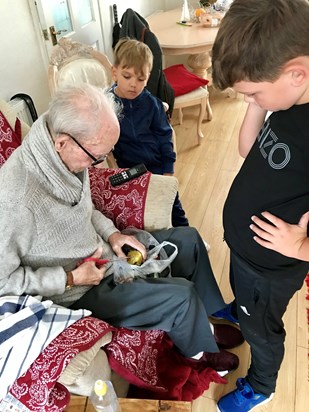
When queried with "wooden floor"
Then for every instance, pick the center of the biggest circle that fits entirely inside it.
(205, 174)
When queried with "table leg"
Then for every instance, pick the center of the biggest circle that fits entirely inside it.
(200, 63)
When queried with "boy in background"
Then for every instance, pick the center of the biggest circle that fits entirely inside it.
(145, 132)
(262, 51)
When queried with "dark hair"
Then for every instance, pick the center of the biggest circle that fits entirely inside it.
(257, 37)
(133, 53)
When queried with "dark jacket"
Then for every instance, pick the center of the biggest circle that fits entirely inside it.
(145, 134)
(135, 26)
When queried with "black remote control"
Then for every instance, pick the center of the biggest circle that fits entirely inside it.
(126, 175)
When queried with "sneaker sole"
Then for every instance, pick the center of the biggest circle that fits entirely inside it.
(223, 373)
(260, 404)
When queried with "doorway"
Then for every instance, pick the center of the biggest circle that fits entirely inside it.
(78, 20)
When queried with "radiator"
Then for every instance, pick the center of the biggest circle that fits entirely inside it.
(21, 109)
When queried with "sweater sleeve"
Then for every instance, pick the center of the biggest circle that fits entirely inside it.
(161, 127)
(103, 225)
(16, 241)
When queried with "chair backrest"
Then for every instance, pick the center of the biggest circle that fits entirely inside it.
(73, 62)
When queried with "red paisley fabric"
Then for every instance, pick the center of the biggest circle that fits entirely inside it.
(38, 388)
(147, 359)
(133, 354)
(150, 362)
(124, 204)
(9, 139)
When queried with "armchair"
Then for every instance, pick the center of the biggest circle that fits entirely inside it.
(92, 364)
(73, 62)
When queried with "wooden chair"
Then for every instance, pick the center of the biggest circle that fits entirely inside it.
(190, 90)
(72, 62)
(199, 97)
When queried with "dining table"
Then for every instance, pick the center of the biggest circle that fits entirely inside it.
(191, 38)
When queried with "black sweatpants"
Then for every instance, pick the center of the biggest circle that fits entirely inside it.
(179, 305)
(178, 214)
(261, 301)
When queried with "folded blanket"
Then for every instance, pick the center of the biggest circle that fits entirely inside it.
(27, 326)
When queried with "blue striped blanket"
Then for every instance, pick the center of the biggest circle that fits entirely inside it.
(27, 326)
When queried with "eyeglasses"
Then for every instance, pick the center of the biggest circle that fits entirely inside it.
(95, 160)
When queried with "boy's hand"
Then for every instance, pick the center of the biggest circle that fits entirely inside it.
(289, 240)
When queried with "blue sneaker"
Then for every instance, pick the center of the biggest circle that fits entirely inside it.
(242, 399)
(226, 314)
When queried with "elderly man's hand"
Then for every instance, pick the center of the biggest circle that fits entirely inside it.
(88, 273)
(117, 240)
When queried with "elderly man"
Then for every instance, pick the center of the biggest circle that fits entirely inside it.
(49, 226)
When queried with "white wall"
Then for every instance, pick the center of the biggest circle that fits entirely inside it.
(22, 68)
(143, 7)
(172, 4)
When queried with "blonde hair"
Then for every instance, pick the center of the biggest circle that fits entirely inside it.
(133, 53)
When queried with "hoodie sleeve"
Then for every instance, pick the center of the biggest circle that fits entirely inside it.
(162, 128)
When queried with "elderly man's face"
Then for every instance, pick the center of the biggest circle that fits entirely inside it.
(76, 159)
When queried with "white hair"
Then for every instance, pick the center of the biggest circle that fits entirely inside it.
(81, 110)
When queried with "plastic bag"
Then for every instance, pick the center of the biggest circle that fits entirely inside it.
(157, 259)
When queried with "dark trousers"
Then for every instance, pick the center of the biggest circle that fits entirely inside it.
(179, 305)
(178, 214)
(261, 302)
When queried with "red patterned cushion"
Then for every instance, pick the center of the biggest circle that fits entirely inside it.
(183, 81)
(124, 204)
(9, 139)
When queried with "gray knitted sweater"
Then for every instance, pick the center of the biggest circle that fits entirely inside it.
(48, 223)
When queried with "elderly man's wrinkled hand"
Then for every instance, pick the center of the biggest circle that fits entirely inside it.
(88, 273)
(117, 240)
